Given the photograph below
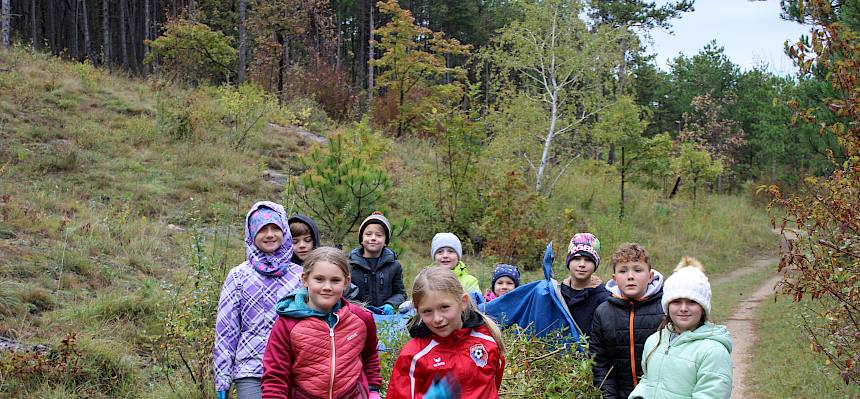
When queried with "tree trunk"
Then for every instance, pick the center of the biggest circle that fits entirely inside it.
(34, 36)
(106, 45)
(147, 32)
(623, 178)
(134, 36)
(192, 9)
(370, 57)
(5, 12)
(88, 48)
(123, 33)
(544, 159)
(240, 73)
(676, 187)
(339, 46)
(76, 51)
(622, 68)
(50, 26)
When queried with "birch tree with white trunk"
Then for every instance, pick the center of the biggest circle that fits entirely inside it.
(559, 65)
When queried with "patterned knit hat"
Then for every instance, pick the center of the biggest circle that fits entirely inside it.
(375, 218)
(584, 244)
(275, 264)
(688, 281)
(503, 270)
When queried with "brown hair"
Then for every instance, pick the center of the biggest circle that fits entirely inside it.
(630, 252)
(326, 254)
(299, 229)
(442, 280)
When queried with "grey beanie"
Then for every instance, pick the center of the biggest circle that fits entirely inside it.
(441, 240)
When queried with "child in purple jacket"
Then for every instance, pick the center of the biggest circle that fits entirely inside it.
(246, 309)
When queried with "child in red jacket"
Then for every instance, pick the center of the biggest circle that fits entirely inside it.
(451, 340)
(322, 346)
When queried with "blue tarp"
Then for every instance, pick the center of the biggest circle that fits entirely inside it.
(537, 306)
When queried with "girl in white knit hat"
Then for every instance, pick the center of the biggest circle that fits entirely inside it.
(688, 357)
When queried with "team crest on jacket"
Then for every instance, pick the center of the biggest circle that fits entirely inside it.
(479, 354)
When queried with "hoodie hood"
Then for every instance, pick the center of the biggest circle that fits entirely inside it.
(655, 286)
(355, 258)
(277, 263)
(315, 233)
(713, 332)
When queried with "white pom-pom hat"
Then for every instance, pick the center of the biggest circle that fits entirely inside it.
(688, 281)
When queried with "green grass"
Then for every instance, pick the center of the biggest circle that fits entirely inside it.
(92, 172)
(784, 365)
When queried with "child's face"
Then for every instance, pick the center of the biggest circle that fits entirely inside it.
(269, 238)
(326, 284)
(447, 257)
(685, 314)
(632, 278)
(503, 286)
(303, 245)
(373, 239)
(581, 269)
(442, 312)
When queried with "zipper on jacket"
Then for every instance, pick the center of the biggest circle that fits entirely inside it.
(633, 344)
(333, 357)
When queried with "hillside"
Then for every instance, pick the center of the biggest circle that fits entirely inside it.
(105, 215)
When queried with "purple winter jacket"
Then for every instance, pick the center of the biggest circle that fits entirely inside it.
(246, 313)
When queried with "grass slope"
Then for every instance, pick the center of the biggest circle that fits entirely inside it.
(97, 201)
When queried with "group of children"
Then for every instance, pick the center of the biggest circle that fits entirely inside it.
(295, 319)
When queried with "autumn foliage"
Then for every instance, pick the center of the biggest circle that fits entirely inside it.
(822, 265)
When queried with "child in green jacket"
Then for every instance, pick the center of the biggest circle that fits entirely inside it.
(447, 252)
(688, 357)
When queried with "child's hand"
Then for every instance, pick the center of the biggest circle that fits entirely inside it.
(387, 309)
(595, 281)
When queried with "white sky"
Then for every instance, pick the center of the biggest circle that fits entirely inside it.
(751, 32)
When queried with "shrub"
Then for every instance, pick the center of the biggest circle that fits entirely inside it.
(185, 345)
(192, 52)
(246, 109)
(513, 223)
(90, 367)
(327, 85)
(343, 182)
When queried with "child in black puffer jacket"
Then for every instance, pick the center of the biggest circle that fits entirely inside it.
(624, 322)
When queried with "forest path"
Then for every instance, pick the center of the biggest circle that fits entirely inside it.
(741, 323)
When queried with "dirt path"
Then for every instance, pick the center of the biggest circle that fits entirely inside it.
(742, 326)
(742, 321)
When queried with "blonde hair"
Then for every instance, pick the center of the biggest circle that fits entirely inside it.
(442, 280)
(326, 254)
(630, 252)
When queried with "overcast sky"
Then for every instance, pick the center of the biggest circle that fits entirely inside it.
(750, 32)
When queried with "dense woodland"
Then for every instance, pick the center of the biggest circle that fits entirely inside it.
(340, 54)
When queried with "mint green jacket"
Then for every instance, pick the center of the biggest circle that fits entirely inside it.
(696, 364)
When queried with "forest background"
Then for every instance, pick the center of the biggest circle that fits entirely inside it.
(127, 167)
